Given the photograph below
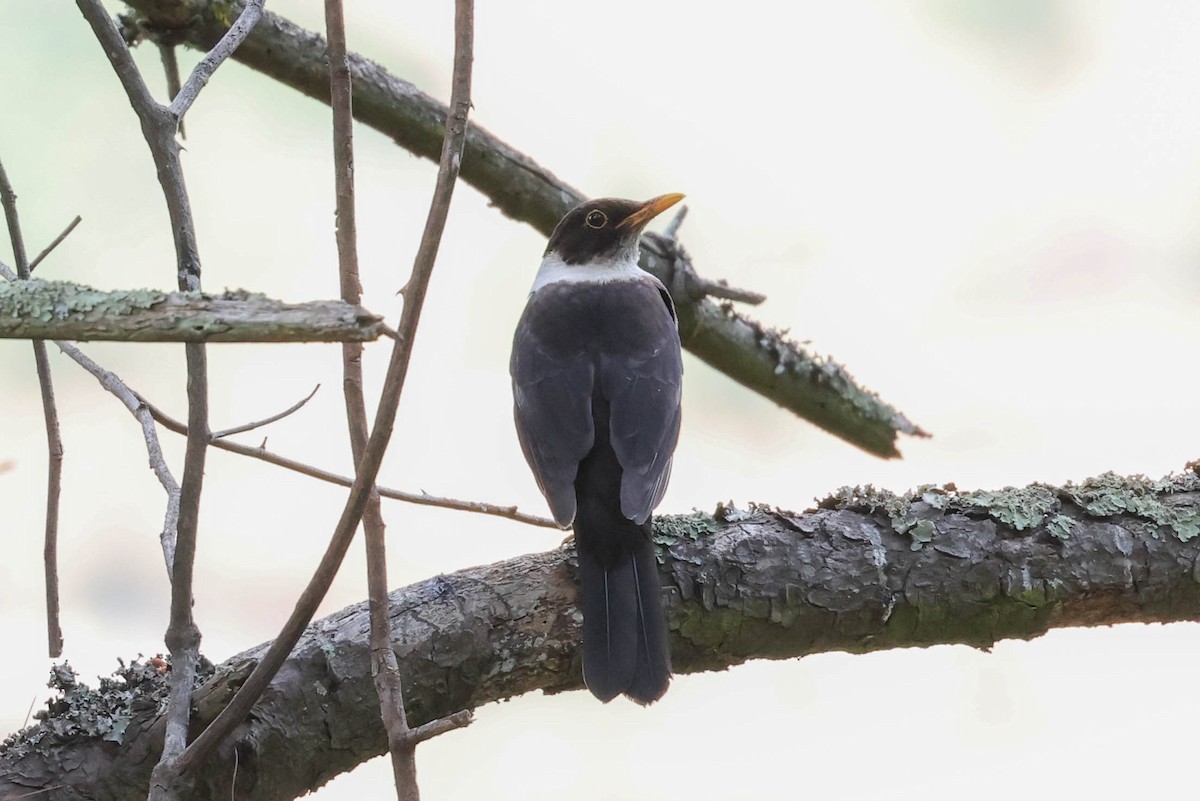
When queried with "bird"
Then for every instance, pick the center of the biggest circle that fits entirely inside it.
(597, 379)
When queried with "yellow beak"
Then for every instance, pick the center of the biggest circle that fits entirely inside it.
(649, 210)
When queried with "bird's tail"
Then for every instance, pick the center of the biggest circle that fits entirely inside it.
(624, 630)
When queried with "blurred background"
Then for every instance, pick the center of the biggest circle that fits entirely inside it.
(986, 210)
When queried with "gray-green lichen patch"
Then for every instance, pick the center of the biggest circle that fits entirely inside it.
(104, 713)
(237, 294)
(1166, 502)
(1060, 526)
(669, 529)
(1019, 508)
(59, 300)
(869, 499)
(1172, 502)
(922, 533)
(897, 508)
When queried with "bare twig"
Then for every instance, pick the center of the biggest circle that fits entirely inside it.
(261, 453)
(427, 731)
(671, 232)
(141, 412)
(158, 463)
(159, 126)
(58, 240)
(721, 289)
(170, 63)
(385, 416)
(385, 670)
(236, 34)
(295, 407)
(54, 446)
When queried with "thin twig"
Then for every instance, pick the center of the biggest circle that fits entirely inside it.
(385, 415)
(672, 230)
(721, 289)
(159, 126)
(142, 413)
(433, 728)
(58, 240)
(295, 407)
(385, 670)
(508, 512)
(158, 463)
(236, 34)
(170, 64)
(54, 446)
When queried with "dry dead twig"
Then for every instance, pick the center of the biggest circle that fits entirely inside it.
(54, 445)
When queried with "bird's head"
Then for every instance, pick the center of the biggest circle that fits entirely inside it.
(605, 229)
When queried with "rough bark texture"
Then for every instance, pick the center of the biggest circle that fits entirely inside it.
(868, 570)
(60, 310)
(765, 361)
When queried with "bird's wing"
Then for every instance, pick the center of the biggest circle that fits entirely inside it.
(552, 405)
(643, 391)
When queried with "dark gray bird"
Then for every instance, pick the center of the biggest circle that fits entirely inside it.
(597, 374)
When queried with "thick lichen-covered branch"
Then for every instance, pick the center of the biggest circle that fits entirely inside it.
(764, 361)
(60, 310)
(867, 570)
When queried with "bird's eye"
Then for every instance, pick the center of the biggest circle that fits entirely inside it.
(596, 219)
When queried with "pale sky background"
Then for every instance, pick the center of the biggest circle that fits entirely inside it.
(986, 210)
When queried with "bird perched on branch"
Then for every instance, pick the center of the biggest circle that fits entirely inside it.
(597, 374)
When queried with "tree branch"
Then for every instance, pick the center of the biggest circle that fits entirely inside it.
(160, 124)
(367, 467)
(58, 240)
(764, 361)
(141, 412)
(54, 445)
(419, 498)
(38, 309)
(867, 571)
(384, 667)
(266, 421)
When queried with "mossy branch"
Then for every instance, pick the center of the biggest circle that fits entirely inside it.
(867, 571)
(60, 310)
(817, 389)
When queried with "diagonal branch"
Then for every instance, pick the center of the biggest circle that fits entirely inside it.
(58, 240)
(385, 416)
(765, 361)
(158, 463)
(141, 412)
(222, 50)
(418, 498)
(384, 667)
(744, 585)
(266, 421)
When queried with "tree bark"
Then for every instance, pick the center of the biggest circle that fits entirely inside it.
(867, 571)
(60, 310)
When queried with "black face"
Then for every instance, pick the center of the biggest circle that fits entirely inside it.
(594, 229)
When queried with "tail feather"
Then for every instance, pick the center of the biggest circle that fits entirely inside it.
(608, 601)
(624, 630)
(652, 673)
